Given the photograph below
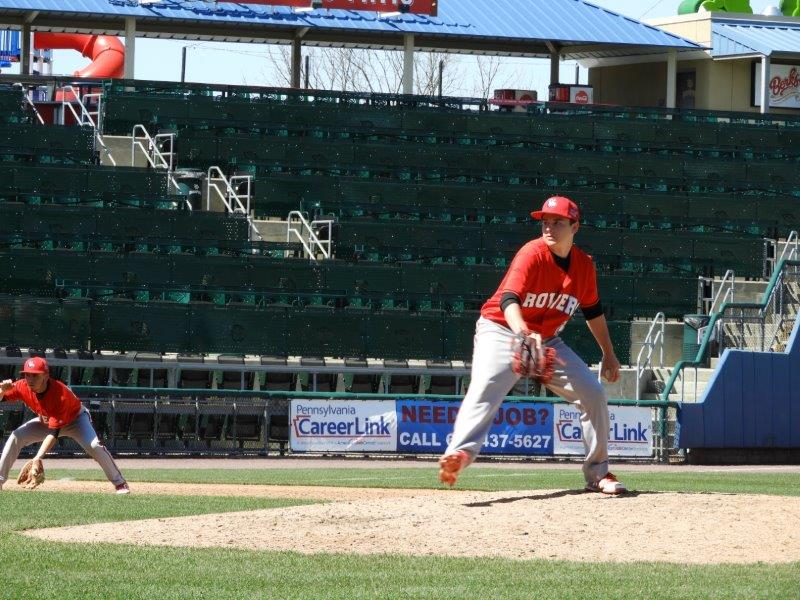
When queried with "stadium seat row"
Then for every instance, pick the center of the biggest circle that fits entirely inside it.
(218, 113)
(43, 144)
(201, 327)
(82, 183)
(262, 281)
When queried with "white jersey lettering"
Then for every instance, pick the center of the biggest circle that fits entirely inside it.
(530, 299)
(572, 304)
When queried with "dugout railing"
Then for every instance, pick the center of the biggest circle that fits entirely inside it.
(757, 326)
(194, 422)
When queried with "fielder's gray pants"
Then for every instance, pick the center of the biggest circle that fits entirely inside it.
(492, 378)
(80, 430)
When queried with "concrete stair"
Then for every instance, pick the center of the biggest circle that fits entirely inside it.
(689, 386)
(119, 146)
(271, 231)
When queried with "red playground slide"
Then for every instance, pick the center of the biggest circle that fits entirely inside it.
(107, 52)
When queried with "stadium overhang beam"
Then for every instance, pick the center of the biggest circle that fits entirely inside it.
(467, 27)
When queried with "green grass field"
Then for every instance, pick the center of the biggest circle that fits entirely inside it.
(37, 569)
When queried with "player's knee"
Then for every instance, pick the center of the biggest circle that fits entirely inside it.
(95, 445)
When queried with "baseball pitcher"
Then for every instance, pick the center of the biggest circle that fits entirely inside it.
(517, 335)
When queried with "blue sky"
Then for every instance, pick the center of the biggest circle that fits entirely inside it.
(251, 64)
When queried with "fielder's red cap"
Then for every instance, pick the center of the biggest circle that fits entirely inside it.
(35, 365)
(558, 206)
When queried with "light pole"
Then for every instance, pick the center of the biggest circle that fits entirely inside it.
(183, 64)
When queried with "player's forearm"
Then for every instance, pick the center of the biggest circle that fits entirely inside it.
(599, 329)
(513, 315)
(47, 445)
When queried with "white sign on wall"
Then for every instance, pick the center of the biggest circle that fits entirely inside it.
(631, 432)
(784, 86)
(343, 426)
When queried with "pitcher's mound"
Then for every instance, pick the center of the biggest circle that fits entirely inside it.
(562, 524)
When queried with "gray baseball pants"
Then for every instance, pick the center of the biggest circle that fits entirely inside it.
(492, 378)
(80, 430)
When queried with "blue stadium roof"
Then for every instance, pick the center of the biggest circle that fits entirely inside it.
(520, 27)
(738, 38)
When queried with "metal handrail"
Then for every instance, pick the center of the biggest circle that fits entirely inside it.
(790, 246)
(35, 110)
(230, 198)
(726, 286)
(86, 118)
(312, 240)
(791, 242)
(155, 158)
(655, 336)
(117, 392)
(712, 326)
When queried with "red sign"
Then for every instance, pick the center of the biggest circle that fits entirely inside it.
(417, 7)
(295, 3)
(581, 97)
(783, 86)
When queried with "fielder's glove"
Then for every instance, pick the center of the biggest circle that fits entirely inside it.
(532, 360)
(32, 474)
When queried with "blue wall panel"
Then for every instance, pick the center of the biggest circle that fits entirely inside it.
(749, 409)
(752, 401)
(732, 413)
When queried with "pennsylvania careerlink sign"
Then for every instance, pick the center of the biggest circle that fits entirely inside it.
(425, 427)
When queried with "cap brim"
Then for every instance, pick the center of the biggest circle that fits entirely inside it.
(32, 372)
(538, 214)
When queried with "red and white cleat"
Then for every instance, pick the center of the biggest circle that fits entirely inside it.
(607, 485)
(451, 465)
(122, 488)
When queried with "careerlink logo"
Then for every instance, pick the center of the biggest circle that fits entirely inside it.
(568, 429)
(367, 427)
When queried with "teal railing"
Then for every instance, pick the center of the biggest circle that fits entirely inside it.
(699, 360)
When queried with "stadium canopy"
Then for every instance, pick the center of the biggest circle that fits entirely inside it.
(558, 29)
(741, 38)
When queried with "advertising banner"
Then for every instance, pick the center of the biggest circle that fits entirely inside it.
(784, 86)
(294, 3)
(518, 429)
(343, 426)
(630, 433)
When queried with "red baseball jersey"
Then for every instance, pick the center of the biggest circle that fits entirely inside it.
(58, 403)
(548, 296)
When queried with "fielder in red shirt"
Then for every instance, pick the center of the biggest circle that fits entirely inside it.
(548, 280)
(59, 413)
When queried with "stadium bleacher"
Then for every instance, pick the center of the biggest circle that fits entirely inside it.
(431, 199)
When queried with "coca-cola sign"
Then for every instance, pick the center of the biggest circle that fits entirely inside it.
(784, 86)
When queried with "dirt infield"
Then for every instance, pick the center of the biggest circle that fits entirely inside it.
(561, 524)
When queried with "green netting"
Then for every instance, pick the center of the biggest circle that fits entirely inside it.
(47, 143)
(232, 329)
(323, 331)
(152, 327)
(12, 105)
(578, 337)
(44, 323)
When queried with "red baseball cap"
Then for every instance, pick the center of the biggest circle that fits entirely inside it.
(558, 206)
(34, 365)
